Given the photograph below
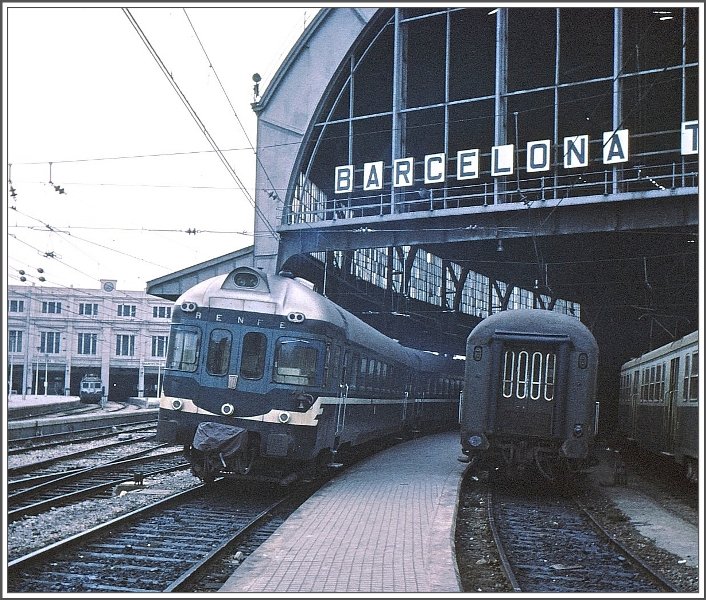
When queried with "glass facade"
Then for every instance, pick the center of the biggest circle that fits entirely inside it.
(455, 84)
(442, 81)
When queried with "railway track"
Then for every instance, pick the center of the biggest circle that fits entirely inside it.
(45, 442)
(80, 458)
(550, 543)
(41, 493)
(190, 541)
(36, 439)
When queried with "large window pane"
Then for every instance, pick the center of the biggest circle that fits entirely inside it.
(252, 361)
(218, 358)
(183, 352)
(296, 362)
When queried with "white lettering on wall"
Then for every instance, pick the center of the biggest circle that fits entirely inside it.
(690, 137)
(467, 164)
(502, 159)
(575, 151)
(434, 168)
(538, 156)
(372, 175)
(344, 179)
(501, 162)
(403, 172)
(615, 147)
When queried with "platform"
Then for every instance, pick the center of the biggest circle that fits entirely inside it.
(385, 525)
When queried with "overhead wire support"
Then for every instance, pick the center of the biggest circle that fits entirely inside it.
(199, 122)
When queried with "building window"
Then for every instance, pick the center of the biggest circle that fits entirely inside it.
(17, 306)
(125, 345)
(88, 308)
(87, 343)
(51, 307)
(162, 312)
(127, 310)
(159, 345)
(50, 342)
(15, 341)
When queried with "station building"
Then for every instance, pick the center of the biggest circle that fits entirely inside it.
(428, 166)
(58, 335)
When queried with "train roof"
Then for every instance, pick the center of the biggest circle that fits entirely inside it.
(690, 339)
(251, 290)
(528, 322)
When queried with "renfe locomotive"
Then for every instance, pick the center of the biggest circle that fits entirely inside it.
(268, 380)
(659, 403)
(529, 398)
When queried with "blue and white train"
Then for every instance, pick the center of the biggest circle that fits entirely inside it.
(659, 403)
(268, 380)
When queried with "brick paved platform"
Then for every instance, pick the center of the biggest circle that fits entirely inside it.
(385, 525)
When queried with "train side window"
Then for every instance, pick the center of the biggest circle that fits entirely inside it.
(687, 371)
(354, 371)
(252, 359)
(296, 362)
(327, 364)
(218, 356)
(183, 352)
(691, 377)
(362, 373)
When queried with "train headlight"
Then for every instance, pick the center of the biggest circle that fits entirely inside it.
(188, 306)
(476, 441)
(296, 317)
(177, 404)
(227, 409)
(578, 430)
(284, 417)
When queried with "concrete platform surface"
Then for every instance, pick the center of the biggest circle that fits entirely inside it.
(384, 526)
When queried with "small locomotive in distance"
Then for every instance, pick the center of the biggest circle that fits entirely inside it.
(90, 389)
(529, 399)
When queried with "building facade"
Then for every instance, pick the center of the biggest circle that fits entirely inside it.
(58, 335)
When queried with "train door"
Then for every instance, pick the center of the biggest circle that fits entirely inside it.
(527, 389)
(220, 360)
(342, 396)
(670, 401)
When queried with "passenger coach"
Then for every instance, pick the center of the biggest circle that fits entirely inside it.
(529, 398)
(659, 402)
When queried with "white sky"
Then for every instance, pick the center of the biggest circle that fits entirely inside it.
(83, 92)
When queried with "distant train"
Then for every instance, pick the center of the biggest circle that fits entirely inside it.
(529, 399)
(659, 402)
(90, 389)
(268, 380)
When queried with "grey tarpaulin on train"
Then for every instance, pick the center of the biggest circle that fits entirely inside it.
(216, 437)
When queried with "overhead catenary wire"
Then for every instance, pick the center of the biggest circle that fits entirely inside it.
(235, 114)
(200, 123)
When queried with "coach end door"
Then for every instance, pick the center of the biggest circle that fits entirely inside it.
(527, 389)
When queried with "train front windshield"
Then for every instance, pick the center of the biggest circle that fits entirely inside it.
(183, 353)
